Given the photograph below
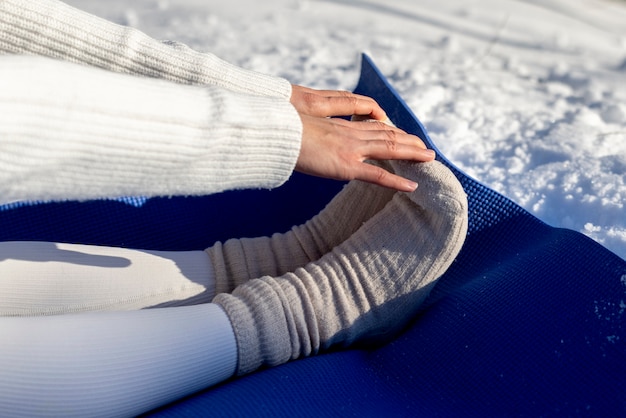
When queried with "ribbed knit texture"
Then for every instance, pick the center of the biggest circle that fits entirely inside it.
(73, 132)
(364, 290)
(239, 260)
(54, 29)
(111, 364)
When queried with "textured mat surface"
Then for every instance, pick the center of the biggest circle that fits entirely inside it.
(530, 320)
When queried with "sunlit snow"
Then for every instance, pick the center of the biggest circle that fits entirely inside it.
(528, 97)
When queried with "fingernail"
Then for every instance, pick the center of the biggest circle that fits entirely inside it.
(431, 153)
(410, 186)
(388, 121)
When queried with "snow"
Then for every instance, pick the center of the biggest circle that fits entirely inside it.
(528, 97)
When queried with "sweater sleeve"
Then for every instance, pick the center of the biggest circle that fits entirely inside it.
(54, 29)
(69, 131)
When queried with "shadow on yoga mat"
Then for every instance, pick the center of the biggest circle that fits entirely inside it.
(530, 320)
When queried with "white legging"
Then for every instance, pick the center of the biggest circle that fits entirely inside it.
(58, 357)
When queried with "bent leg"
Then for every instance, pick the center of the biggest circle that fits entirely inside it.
(44, 278)
(112, 363)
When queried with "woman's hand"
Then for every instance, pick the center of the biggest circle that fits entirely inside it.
(338, 149)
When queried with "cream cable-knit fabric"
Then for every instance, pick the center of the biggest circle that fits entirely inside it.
(54, 29)
(69, 131)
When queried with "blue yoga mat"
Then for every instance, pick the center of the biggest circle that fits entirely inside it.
(530, 320)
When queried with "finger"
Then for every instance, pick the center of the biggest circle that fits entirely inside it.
(367, 124)
(392, 137)
(377, 175)
(387, 133)
(393, 150)
(341, 93)
(345, 105)
(377, 114)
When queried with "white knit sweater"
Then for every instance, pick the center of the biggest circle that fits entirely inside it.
(72, 126)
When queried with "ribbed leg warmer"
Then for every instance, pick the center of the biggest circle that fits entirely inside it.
(239, 260)
(365, 289)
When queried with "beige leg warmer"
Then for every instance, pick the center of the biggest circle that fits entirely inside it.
(365, 289)
(239, 260)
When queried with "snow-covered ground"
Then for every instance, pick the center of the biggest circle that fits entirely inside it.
(529, 97)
